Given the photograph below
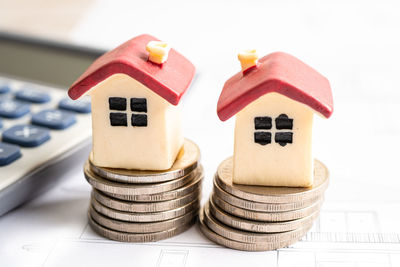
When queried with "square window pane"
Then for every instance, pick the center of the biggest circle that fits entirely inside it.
(284, 138)
(118, 119)
(139, 120)
(139, 104)
(117, 103)
(262, 138)
(264, 123)
(283, 122)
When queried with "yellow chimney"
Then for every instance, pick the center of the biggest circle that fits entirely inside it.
(158, 51)
(248, 59)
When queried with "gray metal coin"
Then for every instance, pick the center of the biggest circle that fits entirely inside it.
(266, 216)
(131, 206)
(152, 227)
(259, 206)
(137, 237)
(144, 217)
(185, 163)
(272, 194)
(133, 189)
(259, 246)
(249, 237)
(194, 185)
(259, 227)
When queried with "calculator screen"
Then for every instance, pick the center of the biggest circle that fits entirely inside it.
(42, 60)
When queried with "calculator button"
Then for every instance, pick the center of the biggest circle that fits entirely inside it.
(8, 153)
(33, 96)
(1, 124)
(80, 106)
(54, 119)
(13, 109)
(26, 135)
(4, 88)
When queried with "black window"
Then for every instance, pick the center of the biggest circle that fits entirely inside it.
(139, 120)
(117, 103)
(263, 123)
(137, 113)
(139, 104)
(118, 119)
(283, 138)
(262, 138)
(283, 122)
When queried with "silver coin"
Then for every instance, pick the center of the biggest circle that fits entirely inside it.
(249, 237)
(259, 246)
(152, 227)
(272, 194)
(142, 206)
(259, 206)
(194, 185)
(185, 163)
(138, 237)
(266, 216)
(259, 227)
(144, 217)
(133, 189)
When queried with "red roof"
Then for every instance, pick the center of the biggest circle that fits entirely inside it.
(281, 73)
(169, 80)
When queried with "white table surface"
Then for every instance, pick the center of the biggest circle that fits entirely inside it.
(354, 44)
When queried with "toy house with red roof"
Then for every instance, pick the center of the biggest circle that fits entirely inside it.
(135, 91)
(274, 100)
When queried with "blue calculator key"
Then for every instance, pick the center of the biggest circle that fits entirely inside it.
(1, 124)
(4, 88)
(54, 119)
(26, 135)
(80, 106)
(13, 109)
(33, 96)
(8, 153)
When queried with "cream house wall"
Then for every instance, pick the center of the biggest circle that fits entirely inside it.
(154, 147)
(273, 164)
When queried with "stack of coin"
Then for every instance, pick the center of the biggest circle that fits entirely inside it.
(146, 206)
(259, 218)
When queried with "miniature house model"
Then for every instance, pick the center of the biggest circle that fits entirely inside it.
(274, 100)
(135, 90)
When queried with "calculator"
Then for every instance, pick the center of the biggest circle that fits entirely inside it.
(41, 129)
